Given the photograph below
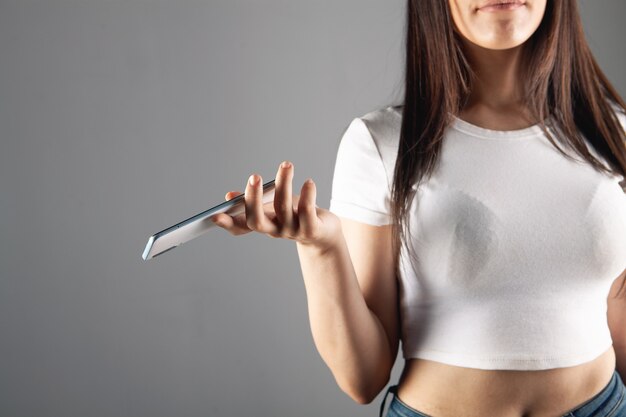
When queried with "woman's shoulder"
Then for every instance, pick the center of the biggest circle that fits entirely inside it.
(384, 125)
(384, 115)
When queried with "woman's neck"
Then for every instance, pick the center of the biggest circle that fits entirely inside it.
(497, 84)
(496, 100)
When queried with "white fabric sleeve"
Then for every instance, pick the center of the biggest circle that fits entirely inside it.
(360, 187)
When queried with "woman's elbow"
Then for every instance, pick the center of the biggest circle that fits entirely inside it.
(363, 392)
(359, 396)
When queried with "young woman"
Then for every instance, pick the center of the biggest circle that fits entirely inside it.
(482, 222)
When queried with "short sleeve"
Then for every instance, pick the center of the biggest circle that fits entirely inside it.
(360, 187)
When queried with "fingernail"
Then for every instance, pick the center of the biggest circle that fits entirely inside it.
(285, 164)
(253, 180)
(309, 181)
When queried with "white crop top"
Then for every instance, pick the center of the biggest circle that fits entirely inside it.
(517, 245)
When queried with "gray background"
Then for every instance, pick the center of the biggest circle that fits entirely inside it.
(119, 118)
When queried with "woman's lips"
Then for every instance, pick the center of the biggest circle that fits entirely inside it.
(497, 6)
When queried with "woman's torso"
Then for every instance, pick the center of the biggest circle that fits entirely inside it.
(442, 390)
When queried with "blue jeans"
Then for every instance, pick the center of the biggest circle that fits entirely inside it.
(607, 403)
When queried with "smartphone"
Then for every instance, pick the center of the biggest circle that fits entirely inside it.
(197, 225)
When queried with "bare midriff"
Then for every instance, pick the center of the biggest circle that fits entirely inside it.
(441, 390)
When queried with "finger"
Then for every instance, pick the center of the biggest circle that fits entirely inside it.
(240, 225)
(234, 225)
(256, 218)
(231, 194)
(282, 198)
(222, 220)
(307, 214)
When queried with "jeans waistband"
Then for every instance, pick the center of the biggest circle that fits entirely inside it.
(605, 402)
(394, 390)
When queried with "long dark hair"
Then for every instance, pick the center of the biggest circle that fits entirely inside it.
(563, 82)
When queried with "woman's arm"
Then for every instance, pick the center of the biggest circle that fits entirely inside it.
(354, 321)
(350, 335)
(616, 316)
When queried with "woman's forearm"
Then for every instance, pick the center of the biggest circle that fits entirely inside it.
(348, 335)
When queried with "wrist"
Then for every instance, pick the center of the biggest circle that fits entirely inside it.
(323, 247)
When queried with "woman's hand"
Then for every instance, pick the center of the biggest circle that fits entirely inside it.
(288, 216)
